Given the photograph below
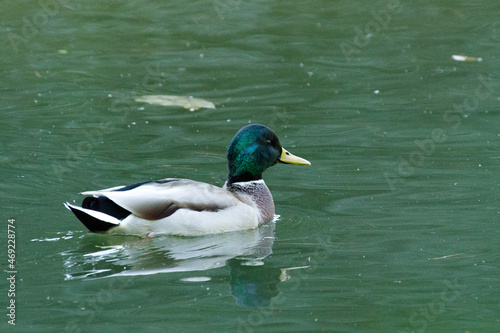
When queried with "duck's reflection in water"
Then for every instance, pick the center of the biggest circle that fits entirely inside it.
(252, 282)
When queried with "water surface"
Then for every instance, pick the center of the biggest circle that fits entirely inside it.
(394, 227)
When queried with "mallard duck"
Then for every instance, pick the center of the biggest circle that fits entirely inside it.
(189, 208)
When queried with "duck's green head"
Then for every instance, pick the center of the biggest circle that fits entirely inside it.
(254, 149)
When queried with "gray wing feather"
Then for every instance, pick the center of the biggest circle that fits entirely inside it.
(156, 200)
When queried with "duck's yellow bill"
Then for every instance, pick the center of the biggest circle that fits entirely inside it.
(289, 158)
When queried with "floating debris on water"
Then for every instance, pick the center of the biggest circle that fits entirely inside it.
(465, 58)
(446, 257)
(187, 102)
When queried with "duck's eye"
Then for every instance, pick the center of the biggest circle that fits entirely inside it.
(268, 141)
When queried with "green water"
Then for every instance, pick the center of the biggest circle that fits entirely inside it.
(394, 227)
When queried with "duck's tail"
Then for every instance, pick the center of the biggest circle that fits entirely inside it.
(94, 220)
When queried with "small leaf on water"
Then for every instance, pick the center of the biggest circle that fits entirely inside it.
(187, 102)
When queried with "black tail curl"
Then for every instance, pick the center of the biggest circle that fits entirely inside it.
(106, 206)
(103, 205)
